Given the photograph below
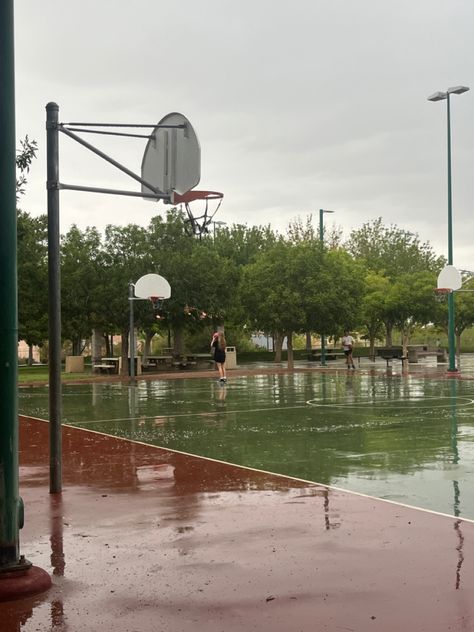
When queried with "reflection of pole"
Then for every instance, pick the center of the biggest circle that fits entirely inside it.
(132, 334)
(9, 492)
(54, 285)
(454, 444)
(456, 489)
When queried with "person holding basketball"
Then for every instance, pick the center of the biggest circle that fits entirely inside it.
(347, 344)
(218, 345)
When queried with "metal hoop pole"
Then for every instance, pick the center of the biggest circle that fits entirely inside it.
(54, 283)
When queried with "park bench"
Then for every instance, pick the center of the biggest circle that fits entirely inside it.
(391, 353)
(417, 352)
(103, 368)
(329, 354)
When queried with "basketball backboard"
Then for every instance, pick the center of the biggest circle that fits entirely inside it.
(450, 278)
(172, 158)
(152, 285)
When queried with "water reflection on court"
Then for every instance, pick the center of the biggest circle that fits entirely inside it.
(403, 438)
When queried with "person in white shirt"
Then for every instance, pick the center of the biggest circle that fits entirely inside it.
(347, 343)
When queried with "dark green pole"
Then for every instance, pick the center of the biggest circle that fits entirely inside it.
(321, 238)
(451, 314)
(10, 502)
(54, 290)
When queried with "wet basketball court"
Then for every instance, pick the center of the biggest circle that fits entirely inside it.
(188, 505)
(405, 438)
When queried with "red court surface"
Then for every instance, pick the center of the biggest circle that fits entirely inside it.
(146, 540)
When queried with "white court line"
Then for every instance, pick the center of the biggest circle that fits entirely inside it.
(212, 413)
(286, 476)
(388, 405)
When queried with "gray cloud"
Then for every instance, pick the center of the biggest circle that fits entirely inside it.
(297, 106)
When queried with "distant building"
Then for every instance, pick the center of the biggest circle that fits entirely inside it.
(24, 352)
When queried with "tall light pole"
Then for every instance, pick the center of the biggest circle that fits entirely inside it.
(321, 239)
(441, 96)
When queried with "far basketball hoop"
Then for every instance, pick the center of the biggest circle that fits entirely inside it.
(153, 287)
(441, 293)
(449, 279)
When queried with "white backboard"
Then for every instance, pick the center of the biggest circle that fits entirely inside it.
(172, 158)
(152, 285)
(450, 278)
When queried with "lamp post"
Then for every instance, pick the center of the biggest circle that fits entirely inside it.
(321, 239)
(441, 96)
(218, 225)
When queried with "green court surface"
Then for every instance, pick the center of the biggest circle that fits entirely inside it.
(404, 438)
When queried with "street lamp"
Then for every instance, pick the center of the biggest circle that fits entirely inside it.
(441, 96)
(321, 239)
(219, 225)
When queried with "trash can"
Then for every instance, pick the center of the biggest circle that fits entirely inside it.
(74, 364)
(230, 358)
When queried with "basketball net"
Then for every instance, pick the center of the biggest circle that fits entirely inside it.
(157, 302)
(200, 215)
(441, 293)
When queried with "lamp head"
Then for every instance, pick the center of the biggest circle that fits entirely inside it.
(438, 96)
(457, 90)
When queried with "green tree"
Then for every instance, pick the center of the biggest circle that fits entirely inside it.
(125, 258)
(411, 302)
(80, 276)
(202, 280)
(373, 307)
(24, 158)
(391, 252)
(32, 280)
(271, 297)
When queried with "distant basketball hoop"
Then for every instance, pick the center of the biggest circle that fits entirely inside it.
(201, 214)
(441, 293)
(157, 302)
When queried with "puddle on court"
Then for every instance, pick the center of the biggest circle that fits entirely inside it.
(404, 438)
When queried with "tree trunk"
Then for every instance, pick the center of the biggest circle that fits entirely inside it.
(309, 343)
(458, 349)
(147, 347)
(289, 339)
(278, 343)
(388, 329)
(109, 347)
(178, 341)
(372, 347)
(30, 355)
(96, 350)
(405, 341)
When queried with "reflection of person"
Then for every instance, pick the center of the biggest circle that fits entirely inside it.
(218, 345)
(347, 343)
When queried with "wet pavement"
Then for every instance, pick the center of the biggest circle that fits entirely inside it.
(404, 437)
(146, 539)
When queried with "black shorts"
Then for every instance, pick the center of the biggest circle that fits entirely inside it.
(219, 357)
(347, 352)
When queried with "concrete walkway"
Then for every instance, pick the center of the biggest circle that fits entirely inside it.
(146, 540)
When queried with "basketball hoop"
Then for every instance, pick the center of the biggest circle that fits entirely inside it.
(157, 302)
(199, 218)
(441, 293)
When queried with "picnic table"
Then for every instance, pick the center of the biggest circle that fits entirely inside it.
(159, 361)
(107, 365)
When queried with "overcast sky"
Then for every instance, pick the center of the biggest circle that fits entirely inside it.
(297, 105)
